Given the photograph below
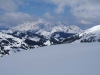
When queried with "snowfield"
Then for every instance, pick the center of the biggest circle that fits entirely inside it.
(66, 59)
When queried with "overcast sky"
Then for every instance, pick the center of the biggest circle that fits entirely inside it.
(73, 12)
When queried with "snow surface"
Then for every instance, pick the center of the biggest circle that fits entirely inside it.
(66, 59)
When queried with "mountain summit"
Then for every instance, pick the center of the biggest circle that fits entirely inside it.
(46, 26)
(90, 35)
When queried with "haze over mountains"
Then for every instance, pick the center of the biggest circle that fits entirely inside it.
(41, 33)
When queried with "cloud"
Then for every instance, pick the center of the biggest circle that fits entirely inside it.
(82, 9)
(85, 22)
(60, 8)
(16, 17)
(8, 5)
(48, 16)
(86, 9)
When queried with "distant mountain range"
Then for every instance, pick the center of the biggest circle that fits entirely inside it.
(41, 33)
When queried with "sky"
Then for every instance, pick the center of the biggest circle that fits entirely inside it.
(84, 13)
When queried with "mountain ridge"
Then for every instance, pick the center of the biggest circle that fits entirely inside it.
(15, 41)
(90, 35)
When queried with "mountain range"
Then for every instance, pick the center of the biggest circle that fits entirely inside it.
(41, 33)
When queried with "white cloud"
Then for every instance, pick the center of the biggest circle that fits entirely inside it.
(82, 9)
(86, 9)
(48, 16)
(16, 17)
(9, 14)
(85, 22)
(60, 8)
(8, 5)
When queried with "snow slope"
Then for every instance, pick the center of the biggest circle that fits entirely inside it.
(66, 59)
(90, 35)
(94, 30)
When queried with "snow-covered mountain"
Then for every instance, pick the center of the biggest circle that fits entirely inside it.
(46, 27)
(90, 35)
(15, 40)
(9, 43)
(33, 35)
(54, 32)
(41, 33)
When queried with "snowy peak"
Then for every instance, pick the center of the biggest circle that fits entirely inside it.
(91, 34)
(95, 29)
(45, 26)
(68, 29)
(41, 24)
